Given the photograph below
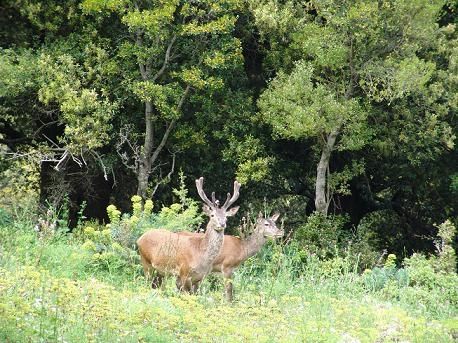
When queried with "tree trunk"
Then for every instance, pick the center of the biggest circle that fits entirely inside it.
(144, 167)
(321, 185)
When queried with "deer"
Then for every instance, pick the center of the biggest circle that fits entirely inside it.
(189, 258)
(235, 250)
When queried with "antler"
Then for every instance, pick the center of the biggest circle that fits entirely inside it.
(235, 196)
(200, 190)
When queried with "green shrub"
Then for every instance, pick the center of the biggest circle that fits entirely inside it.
(363, 243)
(5, 218)
(423, 273)
(181, 216)
(381, 229)
(380, 277)
(320, 234)
(446, 256)
(426, 281)
(112, 248)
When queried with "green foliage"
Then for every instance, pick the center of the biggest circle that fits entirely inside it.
(19, 184)
(428, 285)
(106, 253)
(383, 230)
(422, 272)
(339, 181)
(428, 281)
(320, 234)
(326, 238)
(250, 158)
(17, 73)
(5, 218)
(446, 259)
(296, 107)
(380, 74)
(85, 112)
(112, 248)
(48, 286)
(380, 277)
(181, 216)
(375, 73)
(454, 182)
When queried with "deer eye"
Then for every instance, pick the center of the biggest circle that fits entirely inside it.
(266, 224)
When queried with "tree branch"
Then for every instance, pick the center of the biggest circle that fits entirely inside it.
(124, 133)
(144, 71)
(170, 127)
(99, 158)
(167, 177)
(166, 59)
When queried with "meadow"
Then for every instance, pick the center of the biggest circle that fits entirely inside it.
(87, 286)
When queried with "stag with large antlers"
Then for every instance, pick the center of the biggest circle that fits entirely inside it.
(190, 258)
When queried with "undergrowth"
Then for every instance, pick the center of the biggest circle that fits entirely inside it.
(88, 286)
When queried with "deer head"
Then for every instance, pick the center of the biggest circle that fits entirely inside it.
(218, 214)
(268, 227)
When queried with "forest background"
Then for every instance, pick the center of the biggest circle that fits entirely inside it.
(343, 108)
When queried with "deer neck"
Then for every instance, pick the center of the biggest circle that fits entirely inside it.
(211, 246)
(253, 243)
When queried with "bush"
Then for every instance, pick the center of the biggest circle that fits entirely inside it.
(363, 243)
(426, 281)
(112, 247)
(5, 218)
(379, 277)
(126, 228)
(320, 234)
(382, 231)
(325, 237)
(423, 273)
(181, 216)
(446, 259)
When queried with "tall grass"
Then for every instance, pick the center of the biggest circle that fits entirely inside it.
(51, 290)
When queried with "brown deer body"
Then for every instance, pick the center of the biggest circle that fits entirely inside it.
(235, 250)
(190, 258)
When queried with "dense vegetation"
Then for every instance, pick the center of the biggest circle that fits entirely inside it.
(88, 286)
(341, 115)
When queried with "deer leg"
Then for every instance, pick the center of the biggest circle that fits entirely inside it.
(183, 284)
(157, 280)
(147, 268)
(180, 284)
(195, 287)
(188, 286)
(228, 289)
(151, 275)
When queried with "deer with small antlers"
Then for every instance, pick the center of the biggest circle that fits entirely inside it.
(188, 257)
(235, 250)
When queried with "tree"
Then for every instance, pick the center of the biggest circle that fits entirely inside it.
(341, 63)
(177, 47)
(55, 109)
(91, 68)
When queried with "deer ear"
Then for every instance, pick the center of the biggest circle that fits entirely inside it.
(275, 216)
(232, 211)
(207, 209)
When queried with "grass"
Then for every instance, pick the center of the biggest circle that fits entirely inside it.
(50, 291)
